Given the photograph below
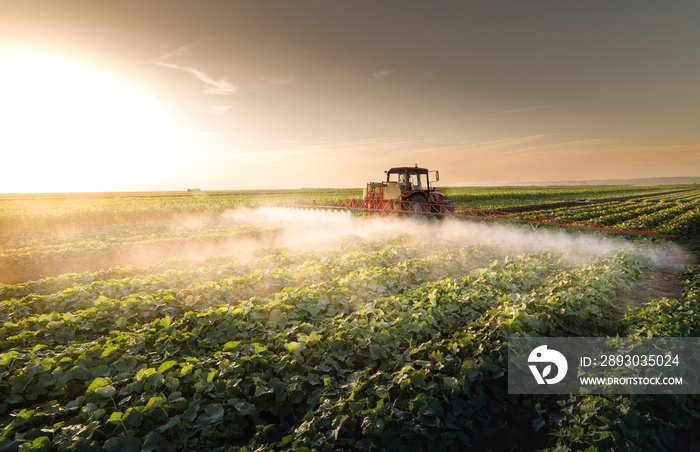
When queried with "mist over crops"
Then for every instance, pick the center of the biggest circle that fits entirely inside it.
(307, 228)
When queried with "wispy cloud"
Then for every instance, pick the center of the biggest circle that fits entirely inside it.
(220, 109)
(213, 86)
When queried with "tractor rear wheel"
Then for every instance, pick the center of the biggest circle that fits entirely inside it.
(417, 205)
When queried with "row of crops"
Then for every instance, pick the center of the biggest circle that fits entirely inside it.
(674, 214)
(27, 215)
(390, 344)
(108, 241)
(508, 198)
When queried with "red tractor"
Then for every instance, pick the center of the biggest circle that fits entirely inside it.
(407, 189)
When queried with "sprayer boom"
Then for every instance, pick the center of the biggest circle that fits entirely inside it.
(409, 190)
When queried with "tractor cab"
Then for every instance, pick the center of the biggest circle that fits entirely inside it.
(410, 180)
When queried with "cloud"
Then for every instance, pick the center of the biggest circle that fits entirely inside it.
(220, 109)
(214, 86)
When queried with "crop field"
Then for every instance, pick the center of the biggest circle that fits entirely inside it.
(162, 322)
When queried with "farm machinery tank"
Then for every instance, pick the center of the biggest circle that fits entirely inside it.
(406, 189)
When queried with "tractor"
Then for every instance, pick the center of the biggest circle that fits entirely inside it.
(406, 189)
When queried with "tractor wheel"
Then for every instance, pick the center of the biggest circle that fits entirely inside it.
(418, 206)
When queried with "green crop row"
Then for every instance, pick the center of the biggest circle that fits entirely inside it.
(504, 198)
(206, 269)
(178, 273)
(674, 214)
(87, 312)
(22, 215)
(111, 242)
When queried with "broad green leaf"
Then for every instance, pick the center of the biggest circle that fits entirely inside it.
(213, 412)
(40, 444)
(292, 346)
(96, 384)
(433, 407)
(106, 391)
(229, 346)
(166, 365)
(154, 402)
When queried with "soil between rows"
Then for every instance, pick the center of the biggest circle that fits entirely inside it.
(654, 285)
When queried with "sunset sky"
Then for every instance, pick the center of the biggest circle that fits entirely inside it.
(168, 95)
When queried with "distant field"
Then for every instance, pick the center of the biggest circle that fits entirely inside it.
(201, 321)
(504, 198)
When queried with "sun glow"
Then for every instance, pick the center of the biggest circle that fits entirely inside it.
(69, 127)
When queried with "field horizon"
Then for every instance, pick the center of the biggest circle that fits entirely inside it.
(653, 181)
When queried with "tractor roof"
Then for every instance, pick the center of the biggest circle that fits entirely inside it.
(403, 169)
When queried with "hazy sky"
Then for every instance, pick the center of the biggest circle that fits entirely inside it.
(161, 95)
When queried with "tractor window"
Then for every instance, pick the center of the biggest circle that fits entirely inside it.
(419, 181)
(400, 178)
